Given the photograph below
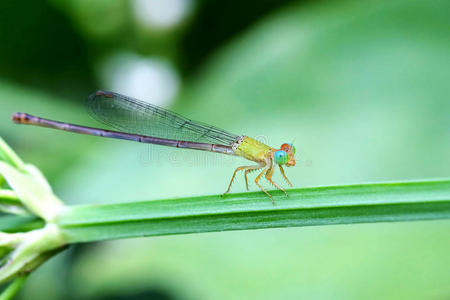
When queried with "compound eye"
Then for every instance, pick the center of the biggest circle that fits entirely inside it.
(281, 157)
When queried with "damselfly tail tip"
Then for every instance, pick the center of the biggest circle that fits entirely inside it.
(20, 117)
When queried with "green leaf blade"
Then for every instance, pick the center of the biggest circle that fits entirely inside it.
(383, 202)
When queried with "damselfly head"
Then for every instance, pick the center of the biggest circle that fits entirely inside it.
(285, 156)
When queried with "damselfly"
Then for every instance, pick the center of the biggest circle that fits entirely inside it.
(146, 123)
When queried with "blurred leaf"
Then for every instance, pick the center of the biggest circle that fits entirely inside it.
(85, 15)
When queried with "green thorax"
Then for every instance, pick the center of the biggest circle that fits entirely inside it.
(252, 149)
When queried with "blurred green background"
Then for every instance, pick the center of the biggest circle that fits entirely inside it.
(361, 87)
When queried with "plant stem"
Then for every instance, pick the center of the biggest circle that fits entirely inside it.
(13, 288)
(383, 202)
(17, 223)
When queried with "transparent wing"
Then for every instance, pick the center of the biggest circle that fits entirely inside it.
(134, 116)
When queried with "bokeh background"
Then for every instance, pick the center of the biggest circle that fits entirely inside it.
(362, 88)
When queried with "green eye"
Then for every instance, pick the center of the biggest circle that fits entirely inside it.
(281, 157)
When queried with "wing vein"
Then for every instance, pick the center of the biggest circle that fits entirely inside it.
(138, 117)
